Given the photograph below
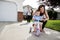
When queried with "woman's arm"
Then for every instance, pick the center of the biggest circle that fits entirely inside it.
(33, 13)
(46, 14)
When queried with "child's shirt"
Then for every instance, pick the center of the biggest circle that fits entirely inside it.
(37, 18)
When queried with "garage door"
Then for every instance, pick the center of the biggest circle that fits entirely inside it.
(8, 11)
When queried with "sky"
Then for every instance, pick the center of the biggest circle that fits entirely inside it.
(32, 3)
(35, 4)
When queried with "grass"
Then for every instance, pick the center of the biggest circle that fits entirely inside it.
(53, 24)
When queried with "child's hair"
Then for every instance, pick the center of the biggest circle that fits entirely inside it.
(37, 12)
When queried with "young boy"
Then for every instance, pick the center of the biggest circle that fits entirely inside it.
(37, 20)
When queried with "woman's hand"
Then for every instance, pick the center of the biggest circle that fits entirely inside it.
(43, 20)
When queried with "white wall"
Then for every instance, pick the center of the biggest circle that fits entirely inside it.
(8, 11)
(18, 2)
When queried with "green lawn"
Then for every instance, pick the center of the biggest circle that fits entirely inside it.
(53, 24)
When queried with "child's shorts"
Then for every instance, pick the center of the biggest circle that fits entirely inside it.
(35, 23)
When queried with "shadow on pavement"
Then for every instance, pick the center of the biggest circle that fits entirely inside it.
(24, 24)
(3, 24)
(42, 36)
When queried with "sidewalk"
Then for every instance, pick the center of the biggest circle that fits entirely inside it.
(20, 31)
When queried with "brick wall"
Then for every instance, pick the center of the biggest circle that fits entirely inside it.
(20, 16)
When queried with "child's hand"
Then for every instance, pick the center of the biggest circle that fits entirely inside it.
(33, 19)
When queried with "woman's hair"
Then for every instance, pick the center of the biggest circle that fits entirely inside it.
(41, 7)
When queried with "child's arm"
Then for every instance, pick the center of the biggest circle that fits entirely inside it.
(33, 18)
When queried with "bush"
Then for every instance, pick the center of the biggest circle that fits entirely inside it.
(52, 14)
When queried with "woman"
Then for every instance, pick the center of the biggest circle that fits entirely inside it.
(42, 10)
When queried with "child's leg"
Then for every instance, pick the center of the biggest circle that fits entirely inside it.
(34, 27)
(41, 27)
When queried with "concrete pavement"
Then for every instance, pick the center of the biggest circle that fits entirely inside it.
(20, 31)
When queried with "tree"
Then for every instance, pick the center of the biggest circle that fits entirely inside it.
(54, 3)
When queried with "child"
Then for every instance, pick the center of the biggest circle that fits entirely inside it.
(37, 18)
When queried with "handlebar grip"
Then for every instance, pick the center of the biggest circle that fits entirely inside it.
(39, 20)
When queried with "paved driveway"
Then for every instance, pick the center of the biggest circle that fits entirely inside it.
(20, 31)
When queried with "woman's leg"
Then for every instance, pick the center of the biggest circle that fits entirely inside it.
(43, 25)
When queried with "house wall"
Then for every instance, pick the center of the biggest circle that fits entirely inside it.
(58, 17)
(9, 10)
(19, 4)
